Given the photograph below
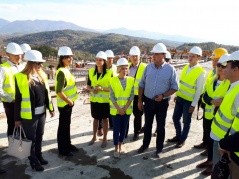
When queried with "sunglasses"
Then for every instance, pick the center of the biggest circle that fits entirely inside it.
(220, 65)
(39, 63)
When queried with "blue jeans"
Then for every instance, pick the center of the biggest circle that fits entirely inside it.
(152, 108)
(119, 122)
(216, 154)
(181, 109)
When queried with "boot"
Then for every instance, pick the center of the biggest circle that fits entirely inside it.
(42, 160)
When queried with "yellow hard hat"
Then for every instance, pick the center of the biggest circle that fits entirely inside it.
(218, 52)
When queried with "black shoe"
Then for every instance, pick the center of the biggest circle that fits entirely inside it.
(37, 167)
(66, 153)
(174, 139)
(180, 144)
(158, 153)
(73, 148)
(141, 130)
(142, 149)
(136, 137)
(2, 171)
(42, 160)
(200, 146)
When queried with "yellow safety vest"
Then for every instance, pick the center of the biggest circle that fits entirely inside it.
(187, 83)
(122, 95)
(223, 118)
(101, 96)
(23, 85)
(70, 89)
(139, 74)
(235, 127)
(9, 83)
(219, 92)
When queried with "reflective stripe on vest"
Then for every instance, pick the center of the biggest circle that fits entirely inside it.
(70, 89)
(223, 118)
(122, 95)
(8, 83)
(101, 96)
(219, 93)
(139, 74)
(187, 83)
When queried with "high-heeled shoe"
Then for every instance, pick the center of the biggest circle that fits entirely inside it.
(42, 160)
(37, 167)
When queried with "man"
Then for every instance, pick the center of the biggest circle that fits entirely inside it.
(226, 119)
(7, 84)
(217, 53)
(158, 83)
(190, 88)
(136, 70)
(25, 47)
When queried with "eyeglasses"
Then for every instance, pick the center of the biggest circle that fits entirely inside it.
(220, 65)
(39, 63)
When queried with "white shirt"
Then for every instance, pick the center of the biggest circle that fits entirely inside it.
(199, 85)
(15, 69)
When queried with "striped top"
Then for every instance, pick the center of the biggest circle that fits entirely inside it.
(156, 81)
(123, 83)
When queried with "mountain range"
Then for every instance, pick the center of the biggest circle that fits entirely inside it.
(34, 26)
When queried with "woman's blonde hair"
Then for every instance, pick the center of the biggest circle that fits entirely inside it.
(29, 70)
(119, 69)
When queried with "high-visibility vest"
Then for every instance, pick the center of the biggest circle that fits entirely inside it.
(219, 92)
(23, 85)
(139, 74)
(114, 70)
(235, 127)
(187, 83)
(69, 90)
(8, 83)
(104, 82)
(122, 95)
(224, 117)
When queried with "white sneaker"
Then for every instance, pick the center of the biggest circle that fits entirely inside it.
(116, 154)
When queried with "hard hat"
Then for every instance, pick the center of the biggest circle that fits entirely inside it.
(168, 55)
(122, 61)
(109, 54)
(196, 50)
(223, 59)
(234, 56)
(33, 56)
(134, 51)
(14, 49)
(63, 51)
(25, 47)
(159, 48)
(102, 55)
(218, 52)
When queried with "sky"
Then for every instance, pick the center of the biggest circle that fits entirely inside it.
(213, 20)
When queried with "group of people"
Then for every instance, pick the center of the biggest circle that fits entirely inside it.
(118, 91)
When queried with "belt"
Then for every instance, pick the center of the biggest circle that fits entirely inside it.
(40, 110)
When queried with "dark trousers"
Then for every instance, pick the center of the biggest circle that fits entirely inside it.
(210, 141)
(137, 116)
(181, 109)
(9, 111)
(205, 137)
(63, 133)
(120, 122)
(34, 130)
(152, 108)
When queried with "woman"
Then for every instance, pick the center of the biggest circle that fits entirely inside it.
(98, 85)
(121, 106)
(31, 100)
(66, 91)
(216, 88)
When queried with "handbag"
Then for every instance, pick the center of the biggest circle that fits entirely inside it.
(221, 169)
(17, 146)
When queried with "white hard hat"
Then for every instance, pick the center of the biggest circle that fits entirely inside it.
(109, 54)
(168, 55)
(63, 51)
(159, 48)
(122, 61)
(25, 47)
(234, 56)
(196, 50)
(14, 49)
(33, 56)
(102, 55)
(223, 59)
(134, 51)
